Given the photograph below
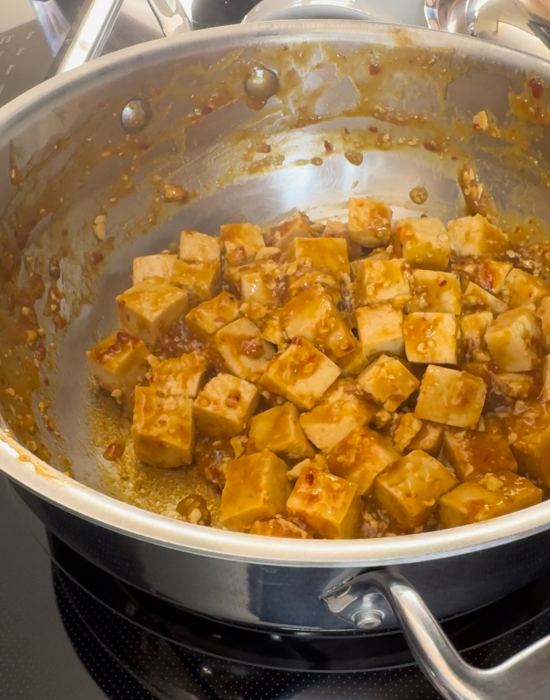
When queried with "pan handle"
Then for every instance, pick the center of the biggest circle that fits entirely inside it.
(523, 675)
(90, 37)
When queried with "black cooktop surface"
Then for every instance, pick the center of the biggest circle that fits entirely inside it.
(68, 630)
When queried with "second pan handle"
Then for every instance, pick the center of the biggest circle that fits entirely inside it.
(525, 675)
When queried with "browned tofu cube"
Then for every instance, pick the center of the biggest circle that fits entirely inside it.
(487, 497)
(147, 309)
(197, 247)
(163, 429)
(407, 429)
(529, 438)
(329, 505)
(381, 280)
(472, 453)
(451, 397)
(312, 315)
(435, 291)
(380, 329)
(304, 278)
(201, 281)
(515, 340)
(353, 364)
(474, 235)
(360, 457)
(431, 338)
(543, 314)
(428, 438)
(153, 266)
(295, 226)
(279, 430)
(410, 488)
(423, 243)
(491, 274)
(369, 221)
(330, 422)
(478, 299)
(473, 327)
(337, 229)
(255, 489)
(180, 376)
(119, 363)
(388, 382)
(241, 242)
(262, 283)
(515, 385)
(301, 373)
(321, 253)
(225, 405)
(207, 318)
(521, 288)
(279, 527)
(243, 350)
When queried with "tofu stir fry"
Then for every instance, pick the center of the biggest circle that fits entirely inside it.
(340, 381)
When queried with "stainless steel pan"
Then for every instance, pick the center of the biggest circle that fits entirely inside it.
(66, 159)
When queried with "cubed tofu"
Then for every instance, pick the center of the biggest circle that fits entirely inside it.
(330, 422)
(491, 274)
(429, 438)
(304, 278)
(451, 397)
(321, 253)
(255, 489)
(473, 327)
(153, 266)
(337, 229)
(295, 226)
(487, 497)
(380, 329)
(279, 527)
(407, 429)
(279, 430)
(301, 373)
(478, 299)
(360, 457)
(474, 235)
(369, 221)
(225, 405)
(147, 309)
(119, 363)
(431, 338)
(471, 452)
(515, 385)
(545, 391)
(201, 281)
(388, 382)
(423, 243)
(435, 291)
(163, 429)
(381, 280)
(515, 340)
(353, 364)
(197, 247)
(521, 288)
(410, 488)
(180, 376)
(207, 318)
(241, 242)
(543, 314)
(329, 505)
(243, 350)
(529, 438)
(312, 315)
(264, 283)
